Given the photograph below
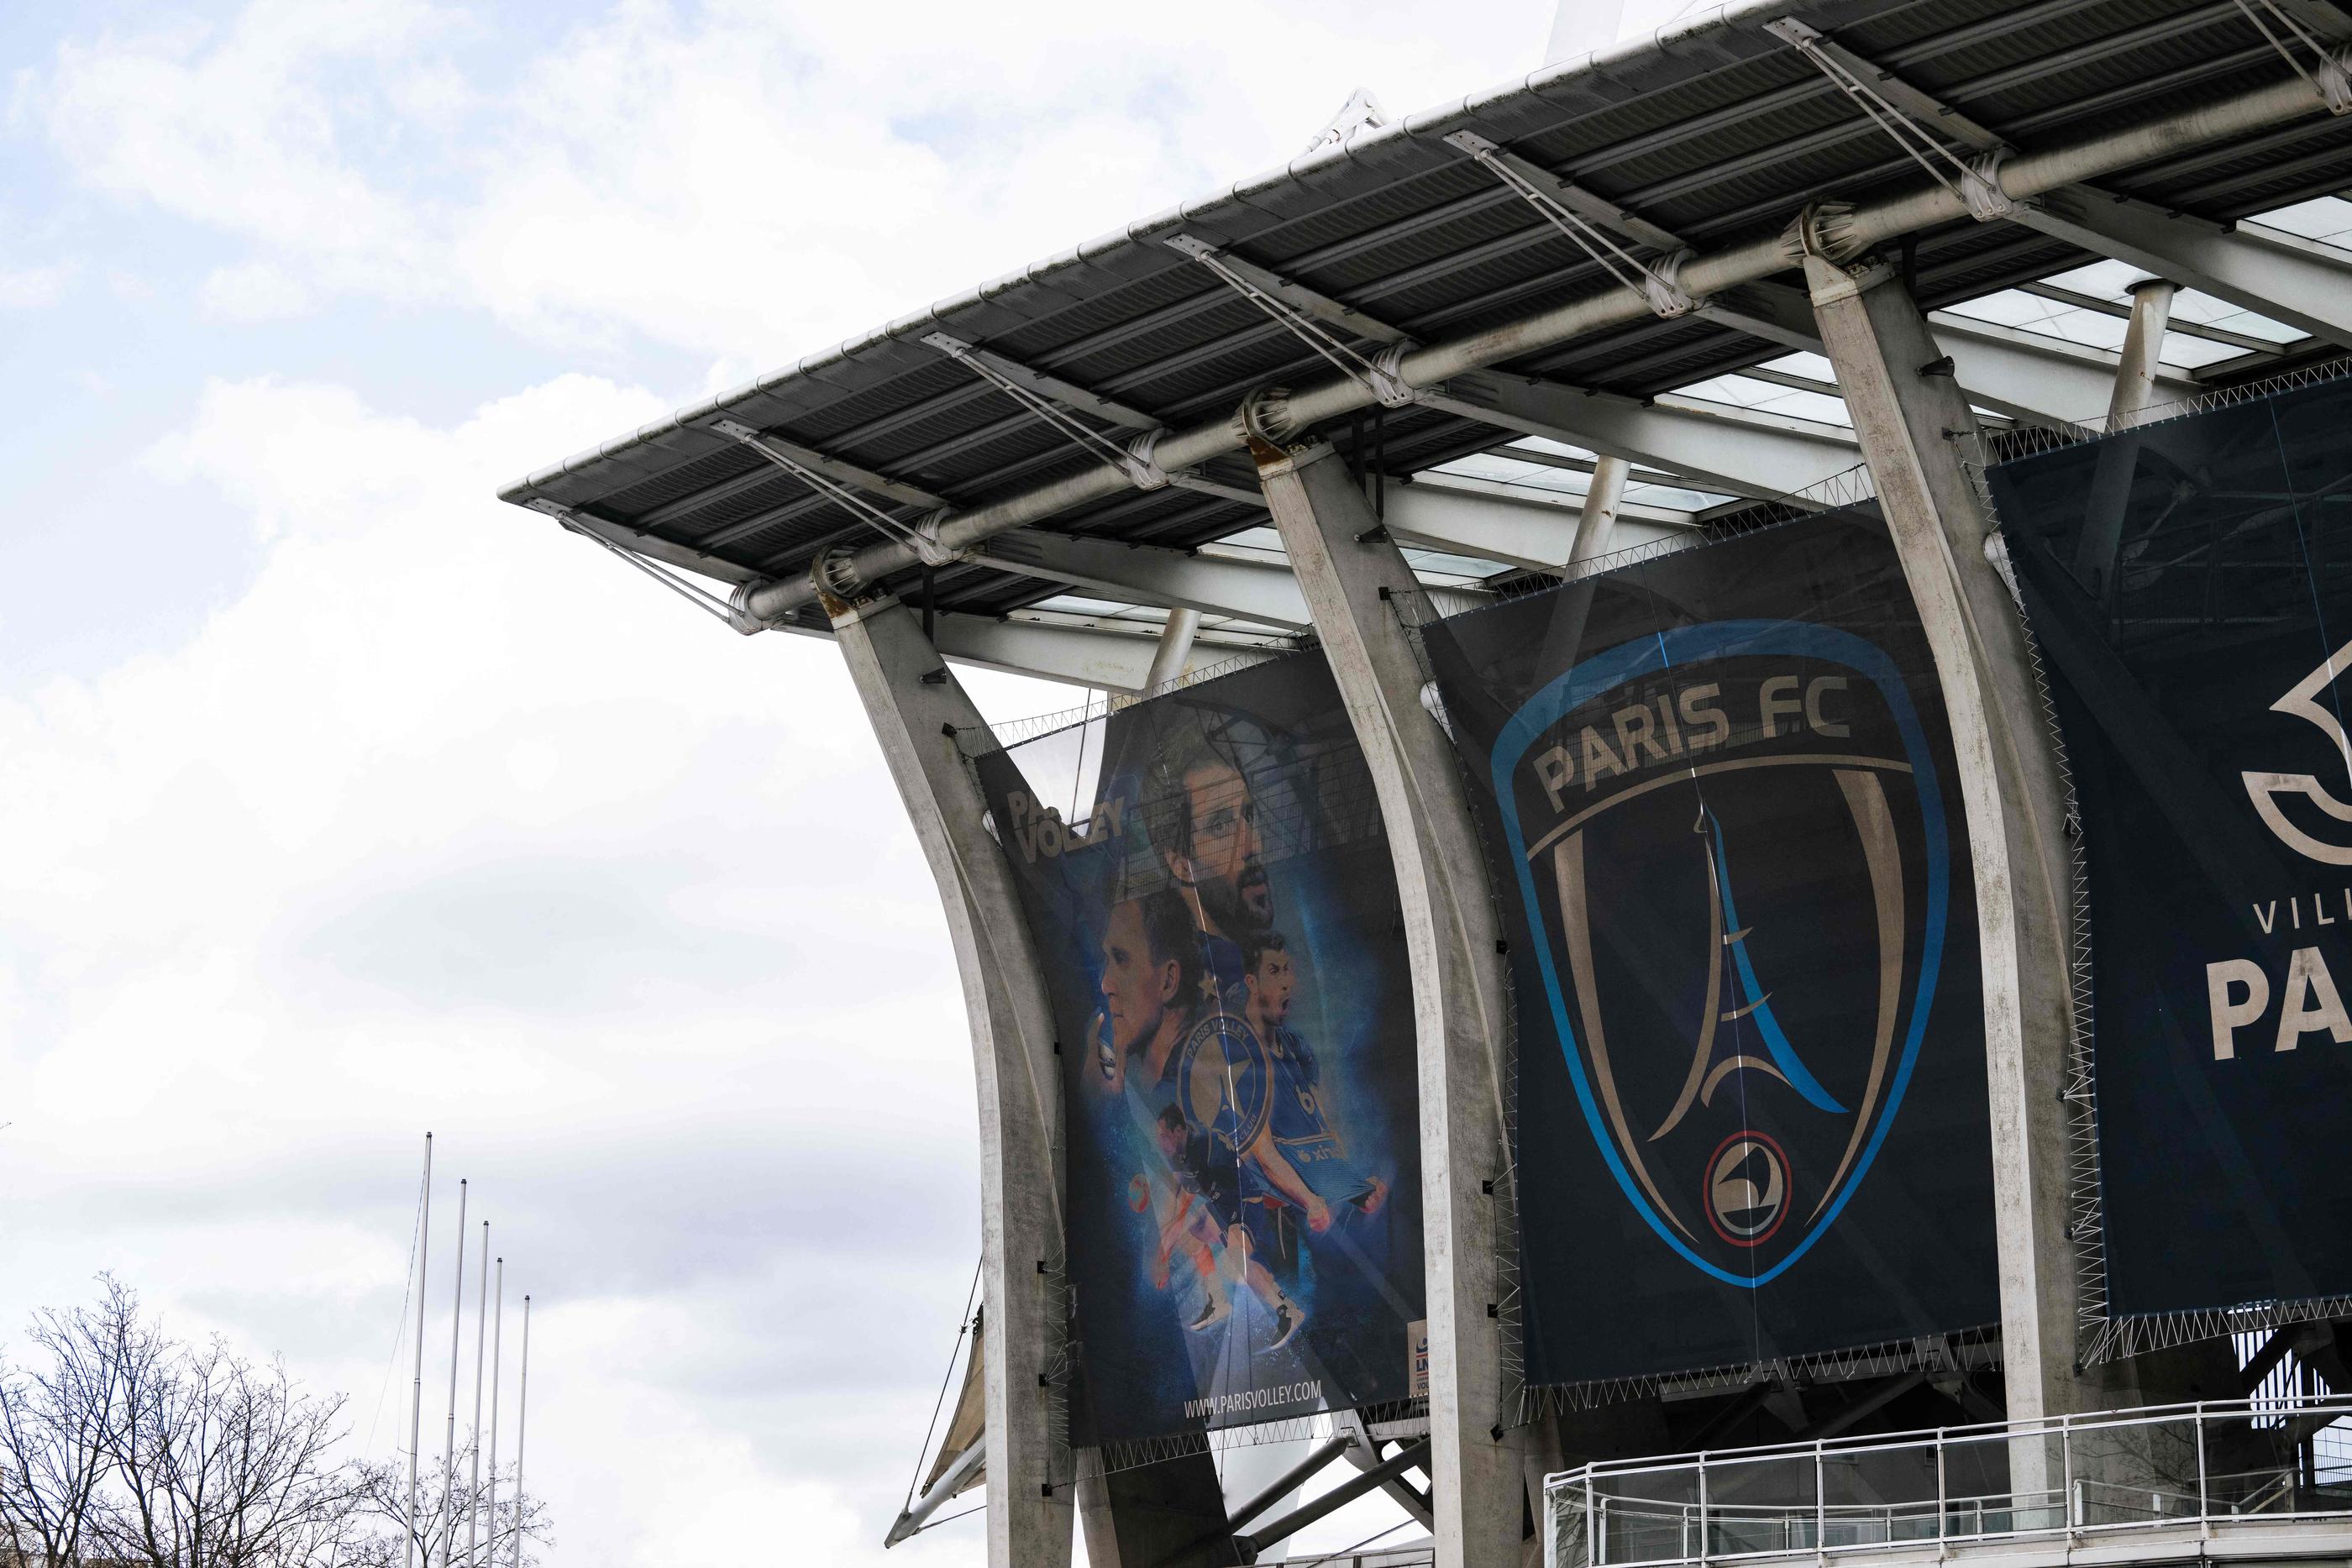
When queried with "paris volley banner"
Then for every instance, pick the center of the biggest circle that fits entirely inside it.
(1211, 897)
(2190, 584)
(1717, 799)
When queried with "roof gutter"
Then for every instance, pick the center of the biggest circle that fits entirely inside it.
(1842, 232)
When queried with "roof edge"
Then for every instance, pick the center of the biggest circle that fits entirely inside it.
(1429, 124)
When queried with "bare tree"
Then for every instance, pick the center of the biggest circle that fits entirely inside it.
(224, 1463)
(442, 1534)
(54, 1429)
(131, 1451)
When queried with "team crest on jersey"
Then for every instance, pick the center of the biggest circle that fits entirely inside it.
(1222, 1080)
(1731, 846)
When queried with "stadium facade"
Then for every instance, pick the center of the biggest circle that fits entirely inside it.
(1696, 921)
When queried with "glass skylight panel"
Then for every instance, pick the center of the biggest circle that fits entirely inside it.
(1260, 543)
(1079, 604)
(2093, 328)
(1765, 397)
(1503, 469)
(2189, 305)
(2328, 219)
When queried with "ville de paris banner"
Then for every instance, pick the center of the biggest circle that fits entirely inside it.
(1722, 821)
(2189, 583)
(1216, 916)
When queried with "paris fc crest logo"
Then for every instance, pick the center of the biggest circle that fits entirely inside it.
(1730, 844)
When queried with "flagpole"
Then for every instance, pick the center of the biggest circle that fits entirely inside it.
(456, 1322)
(481, 1332)
(498, 1326)
(522, 1421)
(416, 1399)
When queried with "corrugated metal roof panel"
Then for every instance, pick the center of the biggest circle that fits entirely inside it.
(1717, 131)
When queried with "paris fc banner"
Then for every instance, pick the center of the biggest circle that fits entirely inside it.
(2190, 584)
(1717, 797)
(1209, 893)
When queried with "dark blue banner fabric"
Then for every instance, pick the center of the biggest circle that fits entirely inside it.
(2189, 583)
(1722, 821)
(1215, 911)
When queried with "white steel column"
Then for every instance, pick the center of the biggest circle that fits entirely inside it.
(2136, 368)
(2135, 391)
(1915, 430)
(1350, 571)
(916, 706)
(1175, 648)
(1598, 522)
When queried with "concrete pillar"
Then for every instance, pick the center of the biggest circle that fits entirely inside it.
(914, 704)
(1350, 571)
(1603, 498)
(1916, 429)
(2136, 366)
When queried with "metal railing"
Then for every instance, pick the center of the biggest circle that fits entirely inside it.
(2189, 1468)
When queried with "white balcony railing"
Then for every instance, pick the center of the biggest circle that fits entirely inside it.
(2178, 1469)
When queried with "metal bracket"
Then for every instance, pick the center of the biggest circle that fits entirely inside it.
(2328, 73)
(927, 547)
(1981, 187)
(1296, 308)
(1588, 219)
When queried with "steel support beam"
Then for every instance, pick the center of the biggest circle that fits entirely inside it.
(1537, 535)
(1350, 571)
(1149, 574)
(2292, 280)
(1072, 656)
(2034, 377)
(1322, 306)
(1917, 431)
(2279, 276)
(916, 708)
(1741, 454)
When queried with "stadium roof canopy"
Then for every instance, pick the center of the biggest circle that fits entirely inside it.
(1024, 408)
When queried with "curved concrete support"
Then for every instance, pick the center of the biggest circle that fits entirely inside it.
(915, 704)
(1350, 571)
(1916, 431)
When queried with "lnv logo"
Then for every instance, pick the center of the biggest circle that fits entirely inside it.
(2321, 810)
(1730, 843)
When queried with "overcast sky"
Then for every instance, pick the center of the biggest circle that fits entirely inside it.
(342, 801)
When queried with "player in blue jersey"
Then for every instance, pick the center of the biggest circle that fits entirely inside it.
(1298, 1162)
(1203, 1217)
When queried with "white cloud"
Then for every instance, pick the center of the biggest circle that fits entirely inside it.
(451, 821)
(255, 291)
(739, 180)
(29, 288)
(448, 819)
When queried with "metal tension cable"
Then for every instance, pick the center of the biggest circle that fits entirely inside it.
(1657, 282)
(1134, 459)
(1377, 375)
(701, 599)
(925, 547)
(2333, 81)
(1979, 179)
